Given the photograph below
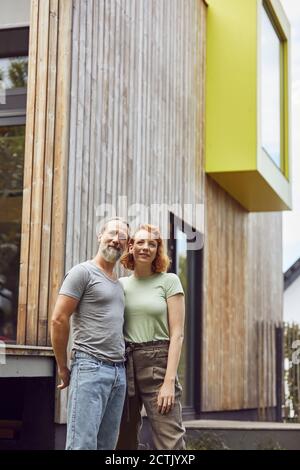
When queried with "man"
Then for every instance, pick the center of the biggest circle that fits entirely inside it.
(97, 378)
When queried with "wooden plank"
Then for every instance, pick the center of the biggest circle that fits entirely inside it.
(58, 227)
(38, 176)
(48, 176)
(23, 350)
(137, 139)
(131, 105)
(156, 104)
(116, 132)
(124, 120)
(189, 71)
(78, 225)
(179, 72)
(145, 80)
(100, 157)
(87, 105)
(163, 123)
(28, 168)
(163, 102)
(105, 106)
(147, 86)
(91, 235)
(110, 103)
(57, 267)
(73, 139)
(201, 184)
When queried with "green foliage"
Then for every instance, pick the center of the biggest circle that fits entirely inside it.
(207, 441)
(18, 72)
(269, 444)
(12, 140)
(211, 441)
(183, 272)
(291, 373)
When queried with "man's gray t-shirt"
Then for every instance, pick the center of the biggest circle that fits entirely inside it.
(99, 317)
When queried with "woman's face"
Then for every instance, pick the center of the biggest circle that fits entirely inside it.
(144, 247)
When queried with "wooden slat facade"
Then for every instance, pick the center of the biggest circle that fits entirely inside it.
(136, 88)
(45, 176)
(137, 114)
(242, 304)
(137, 106)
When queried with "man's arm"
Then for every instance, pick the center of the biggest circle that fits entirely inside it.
(60, 328)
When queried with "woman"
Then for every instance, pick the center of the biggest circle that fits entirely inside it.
(153, 330)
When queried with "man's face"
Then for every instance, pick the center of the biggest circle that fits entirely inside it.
(113, 241)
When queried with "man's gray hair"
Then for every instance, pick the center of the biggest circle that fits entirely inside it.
(112, 219)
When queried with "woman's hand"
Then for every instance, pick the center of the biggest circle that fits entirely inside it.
(166, 397)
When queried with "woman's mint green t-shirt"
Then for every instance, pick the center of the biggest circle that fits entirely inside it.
(146, 311)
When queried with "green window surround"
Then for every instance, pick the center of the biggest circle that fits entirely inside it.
(248, 102)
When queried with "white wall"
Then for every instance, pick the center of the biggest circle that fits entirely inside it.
(14, 13)
(291, 302)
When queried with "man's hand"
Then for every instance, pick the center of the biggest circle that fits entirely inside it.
(64, 375)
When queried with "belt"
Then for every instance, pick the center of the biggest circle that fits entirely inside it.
(130, 347)
(76, 353)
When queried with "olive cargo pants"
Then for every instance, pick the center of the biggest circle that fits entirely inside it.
(146, 368)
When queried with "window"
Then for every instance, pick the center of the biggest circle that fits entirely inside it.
(187, 264)
(272, 90)
(13, 74)
(181, 271)
(247, 137)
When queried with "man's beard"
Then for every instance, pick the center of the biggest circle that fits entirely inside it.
(110, 254)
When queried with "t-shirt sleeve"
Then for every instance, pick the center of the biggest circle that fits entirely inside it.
(75, 282)
(173, 285)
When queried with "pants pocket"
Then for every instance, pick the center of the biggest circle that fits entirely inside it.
(87, 365)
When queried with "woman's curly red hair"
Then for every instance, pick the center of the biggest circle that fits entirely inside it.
(161, 262)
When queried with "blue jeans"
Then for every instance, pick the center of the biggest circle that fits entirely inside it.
(96, 398)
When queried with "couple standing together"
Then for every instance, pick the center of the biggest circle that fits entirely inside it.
(147, 310)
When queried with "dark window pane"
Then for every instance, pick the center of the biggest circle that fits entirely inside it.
(13, 76)
(14, 42)
(181, 270)
(12, 141)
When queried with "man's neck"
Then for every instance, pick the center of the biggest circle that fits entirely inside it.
(104, 265)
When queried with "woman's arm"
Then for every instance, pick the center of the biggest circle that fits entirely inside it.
(176, 313)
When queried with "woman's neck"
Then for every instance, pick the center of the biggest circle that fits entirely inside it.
(142, 271)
